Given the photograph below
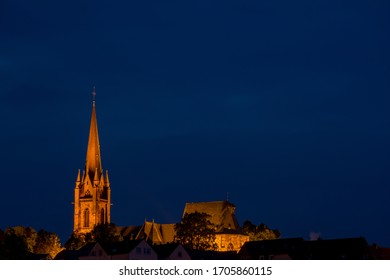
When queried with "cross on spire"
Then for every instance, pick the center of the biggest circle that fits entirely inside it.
(94, 95)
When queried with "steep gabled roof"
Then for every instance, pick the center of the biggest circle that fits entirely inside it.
(67, 255)
(76, 254)
(121, 247)
(167, 232)
(165, 250)
(156, 233)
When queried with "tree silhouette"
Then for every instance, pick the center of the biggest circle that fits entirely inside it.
(75, 241)
(47, 243)
(260, 232)
(195, 231)
(13, 246)
(102, 233)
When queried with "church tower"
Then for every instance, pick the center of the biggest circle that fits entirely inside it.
(92, 193)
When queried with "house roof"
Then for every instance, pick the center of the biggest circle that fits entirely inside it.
(75, 254)
(111, 248)
(152, 232)
(86, 249)
(167, 232)
(222, 213)
(67, 255)
(121, 247)
(165, 250)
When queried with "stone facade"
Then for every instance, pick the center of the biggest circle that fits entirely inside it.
(230, 241)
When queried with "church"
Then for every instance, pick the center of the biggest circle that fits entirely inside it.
(92, 202)
(92, 192)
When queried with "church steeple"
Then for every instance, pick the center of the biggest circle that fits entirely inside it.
(93, 161)
(92, 193)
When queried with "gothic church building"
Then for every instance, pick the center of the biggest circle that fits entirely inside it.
(92, 201)
(92, 192)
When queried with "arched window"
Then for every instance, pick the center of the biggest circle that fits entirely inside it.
(86, 217)
(102, 218)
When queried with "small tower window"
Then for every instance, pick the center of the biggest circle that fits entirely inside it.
(86, 217)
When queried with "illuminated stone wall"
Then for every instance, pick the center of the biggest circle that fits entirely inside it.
(230, 242)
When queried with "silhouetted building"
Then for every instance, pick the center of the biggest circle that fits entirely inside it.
(122, 250)
(380, 253)
(130, 250)
(93, 251)
(171, 251)
(229, 236)
(282, 249)
(338, 249)
(298, 249)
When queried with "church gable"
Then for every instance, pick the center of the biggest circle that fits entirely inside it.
(156, 233)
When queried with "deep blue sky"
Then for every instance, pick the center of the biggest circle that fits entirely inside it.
(283, 104)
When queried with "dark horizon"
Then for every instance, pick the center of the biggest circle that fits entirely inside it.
(282, 105)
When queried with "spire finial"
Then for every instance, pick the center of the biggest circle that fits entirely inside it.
(94, 94)
(227, 196)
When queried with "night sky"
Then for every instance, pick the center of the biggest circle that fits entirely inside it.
(284, 105)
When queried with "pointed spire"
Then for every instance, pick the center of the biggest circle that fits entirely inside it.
(106, 179)
(101, 180)
(78, 177)
(93, 161)
(96, 177)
